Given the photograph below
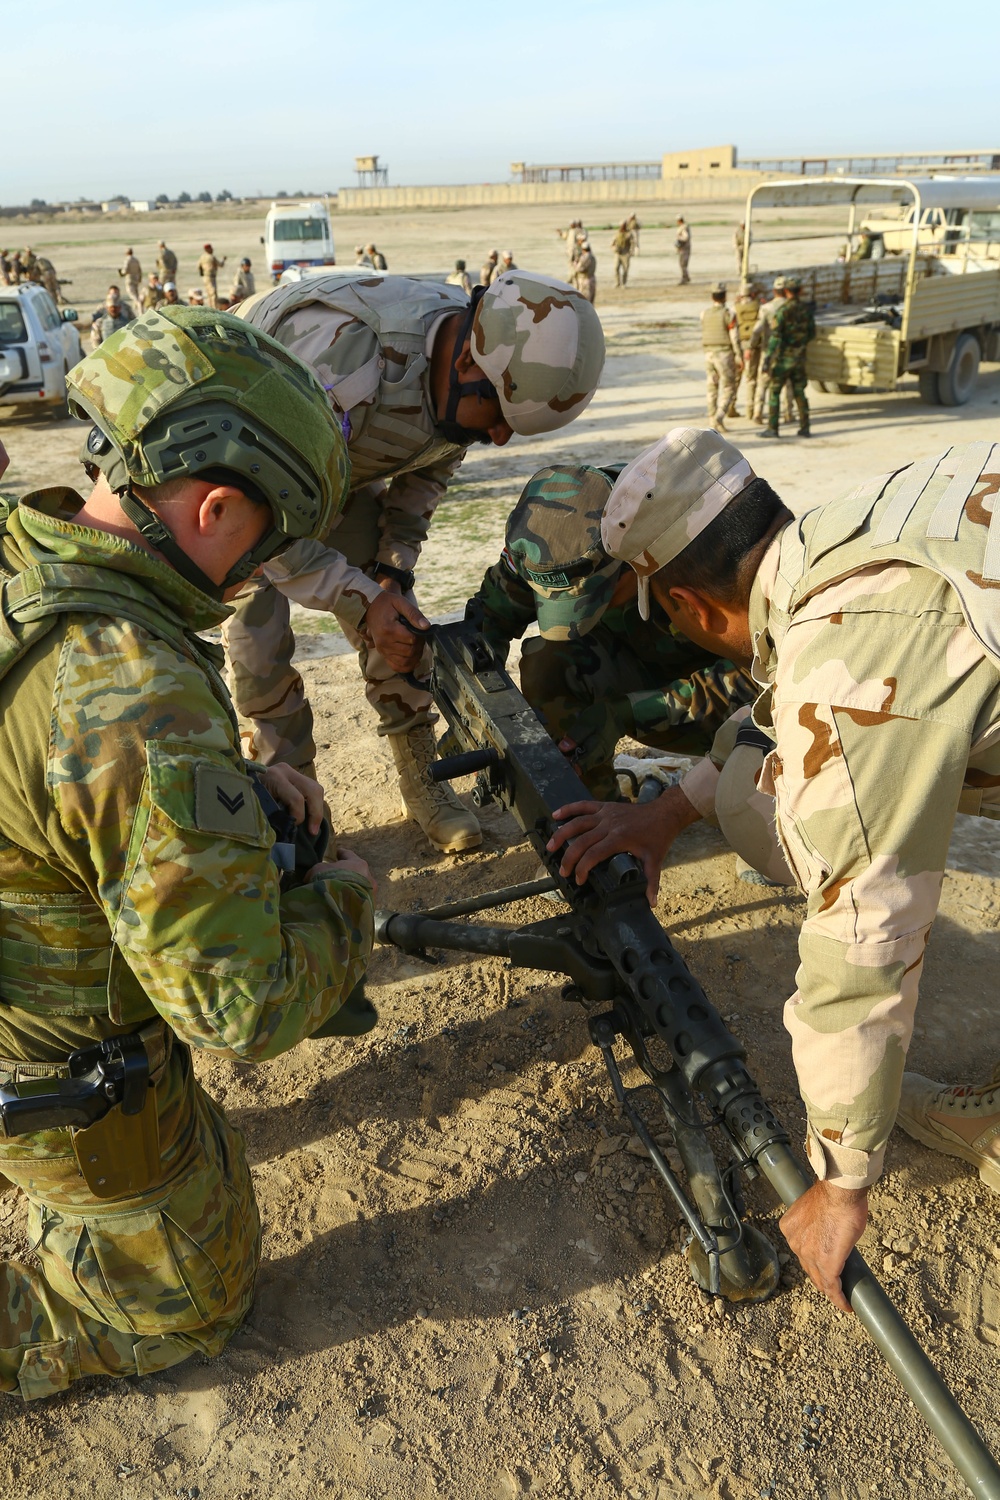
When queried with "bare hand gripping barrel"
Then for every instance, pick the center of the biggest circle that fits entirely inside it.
(616, 955)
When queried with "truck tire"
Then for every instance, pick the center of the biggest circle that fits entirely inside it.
(928, 381)
(957, 383)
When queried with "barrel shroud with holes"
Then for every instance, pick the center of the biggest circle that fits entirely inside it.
(622, 966)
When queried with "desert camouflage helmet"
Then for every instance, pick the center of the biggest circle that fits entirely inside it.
(542, 346)
(188, 391)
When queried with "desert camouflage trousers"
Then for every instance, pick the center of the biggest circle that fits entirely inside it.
(276, 719)
(598, 689)
(720, 393)
(790, 368)
(622, 263)
(129, 1286)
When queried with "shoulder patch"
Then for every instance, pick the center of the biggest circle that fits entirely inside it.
(198, 788)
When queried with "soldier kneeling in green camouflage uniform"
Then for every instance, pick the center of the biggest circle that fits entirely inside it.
(601, 669)
(140, 910)
(873, 627)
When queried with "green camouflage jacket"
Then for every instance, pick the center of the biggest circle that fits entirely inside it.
(135, 868)
(792, 329)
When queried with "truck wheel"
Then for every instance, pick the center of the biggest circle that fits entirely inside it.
(928, 382)
(957, 383)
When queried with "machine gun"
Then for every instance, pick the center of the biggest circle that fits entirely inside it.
(623, 967)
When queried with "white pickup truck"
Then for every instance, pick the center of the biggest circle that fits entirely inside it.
(38, 346)
(933, 312)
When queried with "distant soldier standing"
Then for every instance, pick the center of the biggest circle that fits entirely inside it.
(488, 267)
(682, 244)
(378, 260)
(460, 277)
(505, 263)
(110, 320)
(746, 308)
(739, 242)
(569, 235)
(720, 339)
(585, 268)
(243, 283)
(208, 269)
(6, 269)
(50, 281)
(759, 338)
(152, 293)
(794, 326)
(166, 264)
(633, 226)
(131, 271)
(622, 246)
(29, 265)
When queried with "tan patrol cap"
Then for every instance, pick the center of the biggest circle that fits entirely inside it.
(667, 496)
(778, 284)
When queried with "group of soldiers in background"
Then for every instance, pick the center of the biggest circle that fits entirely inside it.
(25, 265)
(766, 342)
(492, 268)
(160, 289)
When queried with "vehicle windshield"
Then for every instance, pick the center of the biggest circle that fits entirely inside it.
(300, 229)
(12, 329)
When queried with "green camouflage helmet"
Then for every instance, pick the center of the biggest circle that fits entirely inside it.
(553, 544)
(542, 346)
(187, 390)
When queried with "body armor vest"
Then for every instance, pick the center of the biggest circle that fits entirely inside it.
(715, 327)
(56, 952)
(932, 514)
(399, 432)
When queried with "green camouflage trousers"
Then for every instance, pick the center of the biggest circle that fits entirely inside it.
(597, 689)
(129, 1286)
(790, 368)
(276, 720)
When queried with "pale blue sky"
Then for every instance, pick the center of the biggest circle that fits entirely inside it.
(267, 95)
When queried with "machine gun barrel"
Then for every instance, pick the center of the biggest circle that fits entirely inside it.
(614, 947)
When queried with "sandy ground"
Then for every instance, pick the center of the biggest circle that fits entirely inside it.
(471, 1285)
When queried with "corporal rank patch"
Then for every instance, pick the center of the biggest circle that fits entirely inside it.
(224, 802)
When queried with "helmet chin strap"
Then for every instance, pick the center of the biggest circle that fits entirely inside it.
(449, 428)
(158, 535)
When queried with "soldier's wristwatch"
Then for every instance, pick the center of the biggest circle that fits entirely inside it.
(405, 577)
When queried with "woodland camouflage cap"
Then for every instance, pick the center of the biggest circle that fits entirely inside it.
(186, 390)
(667, 496)
(554, 545)
(542, 346)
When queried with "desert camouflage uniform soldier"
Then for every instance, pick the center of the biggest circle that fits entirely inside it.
(110, 320)
(739, 244)
(488, 268)
(28, 262)
(166, 264)
(622, 245)
(209, 267)
(720, 339)
(50, 281)
(585, 268)
(400, 358)
(682, 244)
(597, 671)
(746, 307)
(152, 293)
(131, 273)
(138, 895)
(791, 331)
(875, 625)
(243, 283)
(460, 277)
(633, 226)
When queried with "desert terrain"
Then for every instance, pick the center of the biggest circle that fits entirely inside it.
(471, 1285)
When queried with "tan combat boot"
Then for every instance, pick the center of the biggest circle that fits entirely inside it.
(960, 1120)
(449, 825)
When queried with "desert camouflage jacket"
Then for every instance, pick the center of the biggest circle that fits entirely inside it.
(876, 621)
(136, 876)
